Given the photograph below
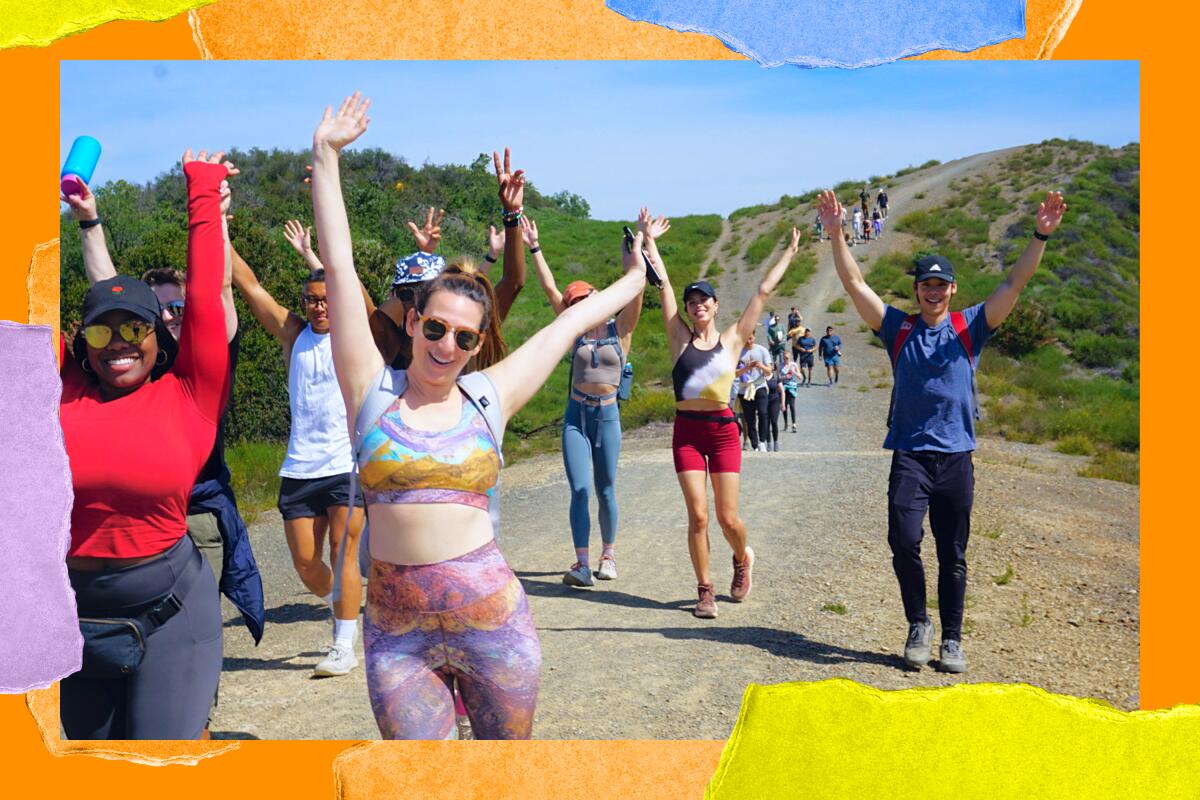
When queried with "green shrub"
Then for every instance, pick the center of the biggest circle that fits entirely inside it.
(836, 306)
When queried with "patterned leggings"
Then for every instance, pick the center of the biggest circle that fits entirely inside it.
(429, 624)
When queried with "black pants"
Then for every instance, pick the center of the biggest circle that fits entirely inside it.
(170, 695)
(789, 405)
(756, 417)
(773, 405)
(943, 483)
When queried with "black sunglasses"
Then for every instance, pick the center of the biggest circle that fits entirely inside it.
(434, 329)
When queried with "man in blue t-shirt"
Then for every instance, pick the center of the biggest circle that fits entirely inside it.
(931, 428)
(806, 345)
(831, 354)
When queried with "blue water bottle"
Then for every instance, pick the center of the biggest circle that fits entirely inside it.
(81, 163)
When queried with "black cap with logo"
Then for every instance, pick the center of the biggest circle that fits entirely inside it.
(124, 293)
(934, 267)
(703, 287)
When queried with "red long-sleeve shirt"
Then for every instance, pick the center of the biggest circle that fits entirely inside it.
(134, 459)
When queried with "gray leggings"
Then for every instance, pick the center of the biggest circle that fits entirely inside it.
(170, 694)
(591, 443)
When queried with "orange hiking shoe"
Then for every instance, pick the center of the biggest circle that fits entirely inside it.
(742, 582)
(706, 608)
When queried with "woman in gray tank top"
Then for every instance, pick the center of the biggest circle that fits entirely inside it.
(591, 437)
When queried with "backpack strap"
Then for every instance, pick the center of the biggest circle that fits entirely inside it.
(906, 328)
(959, 322)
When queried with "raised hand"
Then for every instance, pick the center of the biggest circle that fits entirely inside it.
(794, 245)
(429, 235)
(299, 237)
(512, 184)
(1050, 213)
(83, 206)
(529, 232)
(350, 122)
(495, 241)
(652, 227)
(226, 199)
(829, 209)
(631, 258)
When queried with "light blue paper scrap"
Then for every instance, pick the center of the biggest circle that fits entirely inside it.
(841, 33)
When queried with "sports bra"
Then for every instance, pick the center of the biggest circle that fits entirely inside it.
(598, 360)
(400, 464)
(702, 374)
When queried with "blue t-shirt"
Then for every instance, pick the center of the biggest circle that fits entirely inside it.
(829, 346)
(934, 396)
(806, 343)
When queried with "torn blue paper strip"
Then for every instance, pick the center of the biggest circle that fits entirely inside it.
(39, 628)
(843, 33)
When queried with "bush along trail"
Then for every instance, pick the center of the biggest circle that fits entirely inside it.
(1052, 596)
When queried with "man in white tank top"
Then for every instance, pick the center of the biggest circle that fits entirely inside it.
(314, 487)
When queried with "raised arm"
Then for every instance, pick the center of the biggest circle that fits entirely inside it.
(231, 317)
(529, 234)
(97, 263)
(495, 246)
(512, 196)
(678, 333)
(745, 324)
(355, 357)
(866, 302)
(202, 365)
(521, 375)
(1003, 298)
(279, 322)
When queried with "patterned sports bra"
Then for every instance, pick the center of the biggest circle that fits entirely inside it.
(399, 464)
(702, 374)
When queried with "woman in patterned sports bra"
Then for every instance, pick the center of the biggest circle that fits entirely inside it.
(442, 604)
(591, 437)
(706, 438)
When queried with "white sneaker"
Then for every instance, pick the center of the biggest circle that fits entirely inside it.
(607, 570)
(578, 575)
(339, 661)
(762, 447)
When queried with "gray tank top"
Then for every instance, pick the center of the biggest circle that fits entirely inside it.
(598, 360)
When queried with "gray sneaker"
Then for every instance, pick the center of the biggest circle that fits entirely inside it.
(917, 646)
(951, 658)
(607, 570)
(339, 661)
(578, 575)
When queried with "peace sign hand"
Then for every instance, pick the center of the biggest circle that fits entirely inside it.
(512, 184)
(428, 236)
(1050, 213)
(340, 129)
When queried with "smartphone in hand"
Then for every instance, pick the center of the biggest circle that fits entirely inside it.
(651, 273)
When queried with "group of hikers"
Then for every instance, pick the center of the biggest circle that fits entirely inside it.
(398, 412)
(862, 224)
(769, 379)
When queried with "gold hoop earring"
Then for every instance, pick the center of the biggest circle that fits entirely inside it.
(161, 358)
(86, 366)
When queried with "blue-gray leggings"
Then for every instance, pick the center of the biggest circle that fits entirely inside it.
(591, 443)
(170, 695)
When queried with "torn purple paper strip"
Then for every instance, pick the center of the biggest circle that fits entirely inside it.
(38, 623)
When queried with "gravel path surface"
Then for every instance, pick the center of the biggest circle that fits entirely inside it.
(1052, 598)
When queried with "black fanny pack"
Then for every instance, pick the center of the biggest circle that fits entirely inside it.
(113, 647)
(700, 415)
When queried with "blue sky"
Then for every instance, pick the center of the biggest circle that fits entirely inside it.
(680, 137)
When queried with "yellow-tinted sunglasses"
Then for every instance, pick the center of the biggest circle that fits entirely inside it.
(134, 331)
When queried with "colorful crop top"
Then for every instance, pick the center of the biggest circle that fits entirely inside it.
(702, 374)
(399, 464)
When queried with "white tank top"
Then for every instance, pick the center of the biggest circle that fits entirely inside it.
(320, 442)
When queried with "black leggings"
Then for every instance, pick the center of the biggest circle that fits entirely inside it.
(170, 694)
(773, 404)
(756, 417)
(789, 404)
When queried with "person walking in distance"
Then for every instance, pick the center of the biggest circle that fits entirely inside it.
(881, 200)
(807, 346)
(931, 426)
(831, 354)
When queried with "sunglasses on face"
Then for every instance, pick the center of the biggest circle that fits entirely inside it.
(434, 329)
(133, 331)
(314, 301)
(175, 308)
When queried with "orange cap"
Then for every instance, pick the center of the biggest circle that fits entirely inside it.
(577, 290)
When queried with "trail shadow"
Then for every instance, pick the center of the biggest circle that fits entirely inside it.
(786, 644)
(231, 735)
(599, 595)
(284, 663)
(521, 574)
(287, 613)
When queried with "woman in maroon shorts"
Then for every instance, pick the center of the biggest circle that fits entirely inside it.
(706, 437)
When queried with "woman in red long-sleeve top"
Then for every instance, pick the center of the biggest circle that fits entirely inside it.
(139, 416)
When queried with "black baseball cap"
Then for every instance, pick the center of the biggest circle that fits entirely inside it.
(934, 267)
(124, 293)
(704, 287)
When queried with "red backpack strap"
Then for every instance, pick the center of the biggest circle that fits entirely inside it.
(959, 323)
(906, 328)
